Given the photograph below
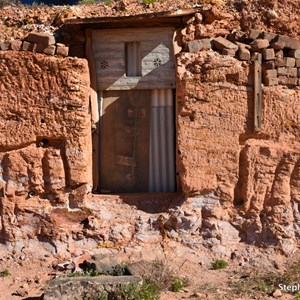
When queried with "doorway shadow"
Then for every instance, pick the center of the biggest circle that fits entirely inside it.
(154, 202)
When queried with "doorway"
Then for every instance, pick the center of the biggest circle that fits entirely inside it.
(137, 142)
(136, 87)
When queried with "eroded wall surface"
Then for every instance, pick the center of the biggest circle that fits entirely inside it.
(238, 185)
(253, 176)
(45, 136)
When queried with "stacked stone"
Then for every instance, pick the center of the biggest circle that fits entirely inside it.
(38, 42)
(280, 54)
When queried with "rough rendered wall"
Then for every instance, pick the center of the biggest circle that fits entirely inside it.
(255, 176)
(44, 139)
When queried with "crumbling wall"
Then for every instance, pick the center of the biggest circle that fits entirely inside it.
(254, 175)
(238, 184)
(45, 139)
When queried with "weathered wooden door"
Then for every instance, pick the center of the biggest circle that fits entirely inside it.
(125, 132)
(136, 80)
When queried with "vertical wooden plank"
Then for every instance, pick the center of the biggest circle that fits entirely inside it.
(94, 107)
(257, 93)
(125, 137)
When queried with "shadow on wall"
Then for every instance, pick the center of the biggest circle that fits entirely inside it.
(154, 203)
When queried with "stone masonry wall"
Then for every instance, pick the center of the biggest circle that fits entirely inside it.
(45, 136)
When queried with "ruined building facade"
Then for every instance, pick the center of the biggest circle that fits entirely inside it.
(150, 129)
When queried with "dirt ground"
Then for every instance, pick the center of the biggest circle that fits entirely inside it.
(29, 273)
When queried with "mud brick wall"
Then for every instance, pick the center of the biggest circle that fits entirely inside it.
(45, 137)
(237, 184)
(255, 175)
(37, 42)
(280, 54)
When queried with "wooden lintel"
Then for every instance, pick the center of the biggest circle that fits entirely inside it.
(147, 18)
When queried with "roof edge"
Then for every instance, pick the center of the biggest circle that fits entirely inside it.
(140, 17)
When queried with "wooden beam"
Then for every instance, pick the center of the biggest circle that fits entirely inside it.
(257, 93)
(94, 107)
(169, 17)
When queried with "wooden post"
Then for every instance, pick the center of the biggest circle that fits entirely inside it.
(257, 93)
(94, 108)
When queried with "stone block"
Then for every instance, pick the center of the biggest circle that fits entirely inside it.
(294, 53)
(291, 72)
(284, 80)
(255, 34)
(268, 36)
(40, 48)
(279, 62)
(282, 41)
(270, 73)
(290, 61)
(62, 50)
(243, 45)
(243, 53)
(271, 81)
(297, 63)
(298, 72)
(268, 76)
(230, 52)
(277, 45)
(44, 38)
(71, 288)
(259, 44)
(282, 71)
(221, 43)
(269, 65)
(27, 46)
(293, 81)
(16, 45)
(237, 35)
(291, 43)
(50, 50)
(102, 263)
(268, 54)
(198, 45)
